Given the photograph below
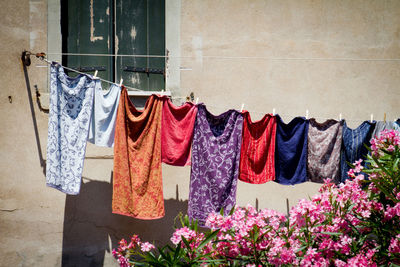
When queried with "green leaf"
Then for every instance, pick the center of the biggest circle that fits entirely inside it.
(187, 244)
(232, 210)
(207, 239)
(332, 233)
(301, 248)
(395, 166)
(186, 221)
(177, 250)
(196, 222)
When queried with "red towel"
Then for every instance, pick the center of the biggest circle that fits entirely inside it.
(137, 181)
(177, 133)
(257, 156)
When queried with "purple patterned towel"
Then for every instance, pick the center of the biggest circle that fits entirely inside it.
(215, 163)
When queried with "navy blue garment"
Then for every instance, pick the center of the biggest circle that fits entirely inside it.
(291, 151)
(398, 121)
(353, 145)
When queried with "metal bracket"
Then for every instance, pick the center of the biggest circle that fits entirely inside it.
(89, 69)
(26, 58)
(144, 70)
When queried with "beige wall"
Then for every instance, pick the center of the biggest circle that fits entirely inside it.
(39, 224)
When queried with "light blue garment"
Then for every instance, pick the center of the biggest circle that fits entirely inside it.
(102, 125)
(382, 125)
(71, 103)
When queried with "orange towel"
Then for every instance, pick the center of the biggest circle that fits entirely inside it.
(137, 181)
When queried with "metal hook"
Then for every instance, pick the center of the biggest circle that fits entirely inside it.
(26, 58)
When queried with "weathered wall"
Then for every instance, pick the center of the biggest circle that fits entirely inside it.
(40, 226)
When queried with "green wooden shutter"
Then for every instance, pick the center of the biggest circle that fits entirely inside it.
(89, 30)
(140, 30)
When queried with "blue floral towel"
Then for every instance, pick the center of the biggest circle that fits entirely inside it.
(71, 102)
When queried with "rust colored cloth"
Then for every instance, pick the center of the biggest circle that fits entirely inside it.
(137, 181)
(177, 133)
(257, 157)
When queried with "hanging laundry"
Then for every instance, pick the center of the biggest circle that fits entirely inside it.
(324, 143)
(353, 146)
(382, 125)
(177, 133)
(102, 125)
(291, 151)
(215, 163)
(137, 181)
(71, 103)
(257, 156)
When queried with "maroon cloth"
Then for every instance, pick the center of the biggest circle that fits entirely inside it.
(177, 133)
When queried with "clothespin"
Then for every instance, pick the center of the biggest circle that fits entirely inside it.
(372, 117)
(95, 74)
(273, 112)
(120, 82)
(197, 100)
(340, 116)
(241, 109)
(384, 117)
(306, 114)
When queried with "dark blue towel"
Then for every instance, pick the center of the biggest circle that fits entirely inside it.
(291, 151)
(353, 145)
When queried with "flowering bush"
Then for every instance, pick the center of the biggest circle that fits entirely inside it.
(353, 224)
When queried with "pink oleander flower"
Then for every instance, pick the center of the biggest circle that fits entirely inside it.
(185, 232)
(394, 247)
(146, 246)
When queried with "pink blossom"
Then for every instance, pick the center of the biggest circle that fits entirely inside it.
(146, 246)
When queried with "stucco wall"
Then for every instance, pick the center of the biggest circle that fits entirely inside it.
(38, 225)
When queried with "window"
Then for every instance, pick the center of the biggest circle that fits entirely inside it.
(124, 27)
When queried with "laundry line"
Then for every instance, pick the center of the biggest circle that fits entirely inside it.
(231, 57)
(41, 56)
(289, 117)
(76, 71)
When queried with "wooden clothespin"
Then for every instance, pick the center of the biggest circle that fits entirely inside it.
(241, 109)
(95, 74)
(306, 114)
(120, 82)
(384, 117)
(372, 117)
(273, 112)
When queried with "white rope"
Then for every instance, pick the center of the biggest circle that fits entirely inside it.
(287, 117)
(97, 78)
(233, 57)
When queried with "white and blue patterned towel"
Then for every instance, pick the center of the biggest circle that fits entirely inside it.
(71, 103)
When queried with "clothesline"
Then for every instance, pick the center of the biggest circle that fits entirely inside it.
(233, 57)
(73, 70)
(135, 89)
(286, 116)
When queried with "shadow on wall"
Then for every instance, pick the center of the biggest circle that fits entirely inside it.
(91, 229)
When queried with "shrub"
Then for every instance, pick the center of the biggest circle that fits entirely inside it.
(352, 224)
